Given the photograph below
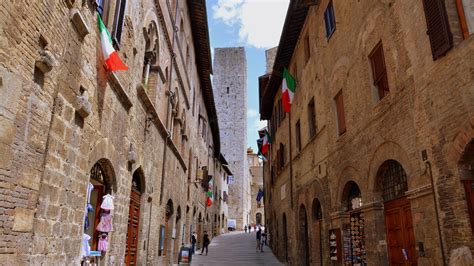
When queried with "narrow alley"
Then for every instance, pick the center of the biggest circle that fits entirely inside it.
(235, 248)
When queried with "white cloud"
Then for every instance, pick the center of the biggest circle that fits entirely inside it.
(251, 113)
(260, 21)
(258, 124)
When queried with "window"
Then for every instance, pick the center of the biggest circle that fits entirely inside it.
(330, 20)
(204, 129)
(38, 76)
(298, 135)
(227, 90)
(393, 179)
(282, 155)
(100, 6)
(119, 19)
(466, 17)
(441, 38)
(341, 121)
(379, 71)
(312, 118)
(307, 49)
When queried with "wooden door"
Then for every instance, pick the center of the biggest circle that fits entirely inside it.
(400, 235)
(469, 188)
(131, 251)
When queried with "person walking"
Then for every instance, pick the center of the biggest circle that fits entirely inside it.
(263, 240)
(193, 242)
(245, 228)
(259, 238)
(205, 243)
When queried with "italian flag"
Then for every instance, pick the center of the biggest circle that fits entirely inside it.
(288, 90)
(266, 142)
(112, 60)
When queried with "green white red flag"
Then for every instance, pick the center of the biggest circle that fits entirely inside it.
(288, 90)
(112, 60)
(266, 143)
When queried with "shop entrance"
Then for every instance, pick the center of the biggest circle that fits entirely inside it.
(398, 221)
(304, 236)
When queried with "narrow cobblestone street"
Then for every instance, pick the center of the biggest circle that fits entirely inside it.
(235, 248)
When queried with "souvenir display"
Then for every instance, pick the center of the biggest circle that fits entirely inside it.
(334, 244)
(358, 254)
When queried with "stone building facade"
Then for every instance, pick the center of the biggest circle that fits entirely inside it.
(147, 136)
(373, 165)
(230, 88)
(257, 211)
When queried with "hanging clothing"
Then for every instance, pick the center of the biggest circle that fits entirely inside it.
(105, 224)
(103, 243)
(107, 202)
(86, 222)
(85, 248)
(90, 187)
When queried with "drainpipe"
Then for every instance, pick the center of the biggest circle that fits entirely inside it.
(170, 99)
(149, 226)
(435, 201)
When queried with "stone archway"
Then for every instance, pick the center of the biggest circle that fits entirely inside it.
(168, 215)
(258, 218)
(284, 238)
(101, 183)
(317, 235)
(392, 181)
(303, 234)
(355, 230)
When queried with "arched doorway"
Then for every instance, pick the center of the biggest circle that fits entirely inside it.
(199, 230)
(392, 180)
(258, 218)
(177, 234)
(355, 229)
(317, 218)
(284, 236)
(466, 168)
(101, 183)
(131, 250)
(303, 235)
(169, 213)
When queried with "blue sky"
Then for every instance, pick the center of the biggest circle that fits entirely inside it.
(256, 25)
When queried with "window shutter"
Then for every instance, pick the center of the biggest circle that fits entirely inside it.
(119, 19)
(378, 62)
(441, 39)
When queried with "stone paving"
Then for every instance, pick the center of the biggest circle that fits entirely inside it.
(236, 248)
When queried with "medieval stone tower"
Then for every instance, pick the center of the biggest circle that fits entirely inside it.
(230, 90)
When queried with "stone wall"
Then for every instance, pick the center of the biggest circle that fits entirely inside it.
(428, 110)
(49, 56)
(230, 88)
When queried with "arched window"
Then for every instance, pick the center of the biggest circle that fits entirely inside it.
(151, 60)
(352, 198)
(393, 180)
(317, 213)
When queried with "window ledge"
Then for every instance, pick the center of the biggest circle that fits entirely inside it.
(119, 89)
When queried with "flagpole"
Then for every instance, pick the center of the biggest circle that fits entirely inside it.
(291, 160)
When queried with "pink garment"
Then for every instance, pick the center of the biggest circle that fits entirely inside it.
(105, 224)
(103, 243)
